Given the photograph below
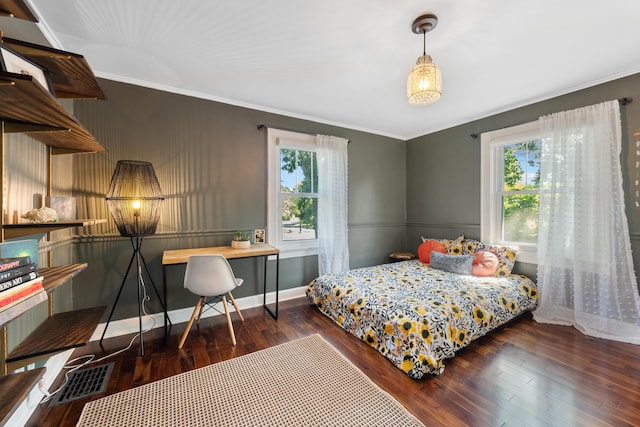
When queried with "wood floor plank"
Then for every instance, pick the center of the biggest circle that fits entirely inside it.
(524, 373)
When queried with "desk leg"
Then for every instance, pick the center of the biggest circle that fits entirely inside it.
(164, 296)
(264, 295)
(264, 283)
(277, 282)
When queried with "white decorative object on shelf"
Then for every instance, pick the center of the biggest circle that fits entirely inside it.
(44, 214)
(65, 206)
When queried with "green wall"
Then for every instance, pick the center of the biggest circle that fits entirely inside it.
(210, 159)
(211, 163)
(443, 168)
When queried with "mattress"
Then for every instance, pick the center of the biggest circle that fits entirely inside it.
(418, 316)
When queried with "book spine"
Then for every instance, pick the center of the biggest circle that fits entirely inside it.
(6, 286)
(15, 298)
(11, 263)
(18, 288)
(20, 271)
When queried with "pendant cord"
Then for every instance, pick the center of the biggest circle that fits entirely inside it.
(424, 42)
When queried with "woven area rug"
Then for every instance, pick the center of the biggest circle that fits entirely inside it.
(305, 382)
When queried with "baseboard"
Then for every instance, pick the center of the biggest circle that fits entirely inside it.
(155, 320)
(56, 363)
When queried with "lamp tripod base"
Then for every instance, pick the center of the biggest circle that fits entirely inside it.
(136, 243)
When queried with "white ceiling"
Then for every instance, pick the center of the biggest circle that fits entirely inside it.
(346, 62)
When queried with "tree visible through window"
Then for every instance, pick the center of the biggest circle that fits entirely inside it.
(510, 188)
(520, 196)
(299, 194)
(292, 193)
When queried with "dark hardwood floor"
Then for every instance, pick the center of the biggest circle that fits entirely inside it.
(524, 373)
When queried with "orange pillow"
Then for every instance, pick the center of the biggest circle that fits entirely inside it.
(485, 263)
(424, 250)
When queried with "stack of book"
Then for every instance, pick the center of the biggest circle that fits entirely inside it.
(19, 280)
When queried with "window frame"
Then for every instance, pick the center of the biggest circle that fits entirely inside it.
(277, 139)
(492, 184)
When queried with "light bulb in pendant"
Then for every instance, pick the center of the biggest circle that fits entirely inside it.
(136, 207)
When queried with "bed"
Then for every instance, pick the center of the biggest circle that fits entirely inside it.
(418, 316)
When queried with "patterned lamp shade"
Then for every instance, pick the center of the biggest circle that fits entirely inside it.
(134, 198)
(424, 84)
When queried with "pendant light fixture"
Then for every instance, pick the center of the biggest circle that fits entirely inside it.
(424, 84)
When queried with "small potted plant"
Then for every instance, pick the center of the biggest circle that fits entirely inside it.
(240, 240)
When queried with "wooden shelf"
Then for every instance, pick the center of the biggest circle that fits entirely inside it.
(52, 278)
(17, 9)
(18, 230)
(15, 388)
(17, 310)
(55, 276)
(60, 332)
(30, 108)
(69, 72)
(27, 107)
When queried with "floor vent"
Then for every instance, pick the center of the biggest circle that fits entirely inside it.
(84, 383)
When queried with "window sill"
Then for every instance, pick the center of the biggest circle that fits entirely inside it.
(527, 256)
(295, 252)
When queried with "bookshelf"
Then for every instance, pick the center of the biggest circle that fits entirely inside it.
(20, 230)
(53, 335)
(28, 107)
(19, 384)
(70, 72)
(14, 312)
(17, 9)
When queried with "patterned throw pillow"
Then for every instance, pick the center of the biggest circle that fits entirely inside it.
(506, 254)
(460, 264)
(452, 247)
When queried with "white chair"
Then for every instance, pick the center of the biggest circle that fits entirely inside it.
(210, 276)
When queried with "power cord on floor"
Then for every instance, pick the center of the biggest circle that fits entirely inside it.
(90, 357)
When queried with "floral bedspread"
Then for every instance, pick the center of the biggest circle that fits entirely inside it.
(417, 316)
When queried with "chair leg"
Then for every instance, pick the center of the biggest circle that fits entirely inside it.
(193, 315)
(226, 312)
(203, 303)
(233, 301)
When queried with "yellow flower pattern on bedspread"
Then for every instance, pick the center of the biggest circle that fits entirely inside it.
(417, 316)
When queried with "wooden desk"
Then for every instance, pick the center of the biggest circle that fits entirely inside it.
(181, 256)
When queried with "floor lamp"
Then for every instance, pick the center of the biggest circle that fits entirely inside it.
(134, 200)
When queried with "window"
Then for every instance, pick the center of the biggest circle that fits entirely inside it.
(292, 193)
(510, 186)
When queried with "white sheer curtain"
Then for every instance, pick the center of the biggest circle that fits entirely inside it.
(333, 248)
(585, 269)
